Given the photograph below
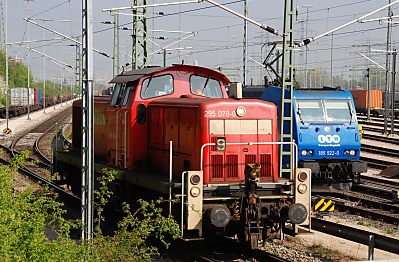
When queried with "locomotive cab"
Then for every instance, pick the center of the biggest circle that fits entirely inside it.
(127, 142)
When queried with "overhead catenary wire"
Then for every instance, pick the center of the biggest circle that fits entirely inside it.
(312, 39)
(315, 11)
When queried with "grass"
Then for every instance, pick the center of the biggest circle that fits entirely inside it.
(362, 223)
(319, 250)
(391, 230)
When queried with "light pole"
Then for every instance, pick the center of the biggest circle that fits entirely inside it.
(54, 94)
(368, 93)
(44, 77)
(6, 51)
(394, 54)
(306, 50)
(62, 80)
(28, 59)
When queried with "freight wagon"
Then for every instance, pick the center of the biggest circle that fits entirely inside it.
(360, 98)
(377, 101)
(21, 98)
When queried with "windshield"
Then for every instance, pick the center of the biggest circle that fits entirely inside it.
(338, 111)
(324, 111)
(156, 86)
(310, 111)
(205, 86)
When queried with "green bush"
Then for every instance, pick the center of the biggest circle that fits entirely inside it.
(133, 238)
(27, 217)
(24, 219)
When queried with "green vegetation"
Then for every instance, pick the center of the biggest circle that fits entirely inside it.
(362, 223)
(27, 219)
(391, 230)
(320, 250)
(18, 77)
(17, 72)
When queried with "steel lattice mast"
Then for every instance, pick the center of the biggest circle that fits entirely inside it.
(287, 75)
(139, 36)
(116, 52)
(87, 120)
(387, 69)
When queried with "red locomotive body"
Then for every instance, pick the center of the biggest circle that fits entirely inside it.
(118, 124)
(191, 123)
(174, 131)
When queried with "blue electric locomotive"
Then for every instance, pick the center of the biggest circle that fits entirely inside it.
(326, 130)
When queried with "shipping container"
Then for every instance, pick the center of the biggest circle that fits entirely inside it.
(360, 97)
(21, 96)
(37, 96)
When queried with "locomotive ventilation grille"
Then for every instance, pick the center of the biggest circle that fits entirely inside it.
(230, 165)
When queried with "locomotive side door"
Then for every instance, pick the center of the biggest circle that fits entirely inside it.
(118, 125)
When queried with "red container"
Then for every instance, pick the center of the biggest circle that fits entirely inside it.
(360, 98)
(36, 96)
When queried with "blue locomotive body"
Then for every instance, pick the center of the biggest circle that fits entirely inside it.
(326, 131)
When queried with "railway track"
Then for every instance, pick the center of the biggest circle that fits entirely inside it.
(37, 168)
(377, 161)
(219, 249)
(379, 151)
(357, 235)
(376, 119)
(377, 137)
(368, 206)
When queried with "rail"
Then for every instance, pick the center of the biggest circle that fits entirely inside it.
(356, 235)
(36, 177)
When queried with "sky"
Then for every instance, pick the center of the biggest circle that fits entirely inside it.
(219, 38)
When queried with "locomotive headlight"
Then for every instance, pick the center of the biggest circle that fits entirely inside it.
(302, 188)
(327, 129)
(302, 176)
(306, 152)
(195, 179)
(352, 152)
(195, 191)
(241, 111)
(346, 152)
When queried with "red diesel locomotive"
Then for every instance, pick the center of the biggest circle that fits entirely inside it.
(174, 131)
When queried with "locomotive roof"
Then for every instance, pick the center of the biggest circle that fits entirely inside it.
(195, 101)
(136, 74)
(322, 93)
(325, 94)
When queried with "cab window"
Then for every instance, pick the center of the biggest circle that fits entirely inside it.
(117, 95)
(205, 86)
(129, 90)
(157, 86)
(310, 111)
(338, 111)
